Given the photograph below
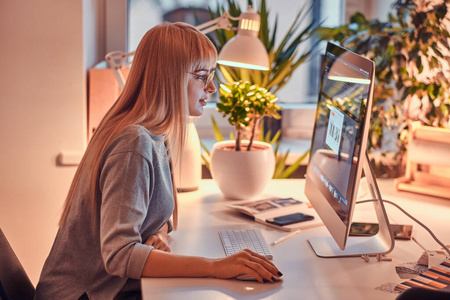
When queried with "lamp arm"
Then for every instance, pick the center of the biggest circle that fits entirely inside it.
(221, 22)
(117, 59)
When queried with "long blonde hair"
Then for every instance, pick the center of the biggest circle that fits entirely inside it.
(155, 96)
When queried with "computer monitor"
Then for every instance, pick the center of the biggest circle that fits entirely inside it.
(339, 156)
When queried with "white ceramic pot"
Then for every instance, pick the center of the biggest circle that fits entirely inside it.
(242, 174)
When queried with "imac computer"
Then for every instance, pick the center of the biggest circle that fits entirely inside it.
(339, 157)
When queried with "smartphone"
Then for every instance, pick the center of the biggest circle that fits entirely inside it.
(289, 219)
(400, 232)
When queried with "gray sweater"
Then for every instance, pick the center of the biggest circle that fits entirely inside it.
(101, 253)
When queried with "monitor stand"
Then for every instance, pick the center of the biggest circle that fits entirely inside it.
(377, 245)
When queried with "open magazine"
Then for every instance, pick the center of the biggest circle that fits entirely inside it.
(267, 209)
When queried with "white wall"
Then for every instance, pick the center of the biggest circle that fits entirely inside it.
(42, 113)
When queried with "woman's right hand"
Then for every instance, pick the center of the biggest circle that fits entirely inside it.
(246, 262)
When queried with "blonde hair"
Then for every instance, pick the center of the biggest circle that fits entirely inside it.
(155, 96)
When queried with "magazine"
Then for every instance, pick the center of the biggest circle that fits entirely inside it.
(436, 277)
(264, 210)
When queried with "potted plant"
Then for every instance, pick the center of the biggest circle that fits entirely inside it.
(284, 58)
(242, 168)
(246, 104)
(283, 170)
(411, 55)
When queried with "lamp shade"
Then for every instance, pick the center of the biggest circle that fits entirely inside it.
(245, 50)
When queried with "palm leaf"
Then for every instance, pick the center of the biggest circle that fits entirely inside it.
(267, 136)
(280, 165)
(228, 74)
(204, 148)
(261, 130)
(217, 134)
(276, 149)
(292, 168)
(206, 161)
(275, 137)
(279, 75)
(264, 26)
(289, 33)
(271, 42)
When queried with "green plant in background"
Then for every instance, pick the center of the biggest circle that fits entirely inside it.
(411, 55)
(245, 104)
(283, 59)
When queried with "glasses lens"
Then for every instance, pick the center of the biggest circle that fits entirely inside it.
(209, 79)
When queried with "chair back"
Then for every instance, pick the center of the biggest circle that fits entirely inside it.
(13, 278)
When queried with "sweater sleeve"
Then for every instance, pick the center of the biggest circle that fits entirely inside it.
(125, 183)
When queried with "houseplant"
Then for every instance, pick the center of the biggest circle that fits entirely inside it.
(242, 168)
(411, 55)
(246, 104)
(283, 169)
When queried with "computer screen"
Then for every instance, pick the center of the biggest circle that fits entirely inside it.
(339, 143)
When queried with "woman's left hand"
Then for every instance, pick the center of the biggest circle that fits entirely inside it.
(159, 240)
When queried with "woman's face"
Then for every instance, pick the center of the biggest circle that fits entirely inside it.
(200, 86)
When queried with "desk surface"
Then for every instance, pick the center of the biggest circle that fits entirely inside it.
(203, 213)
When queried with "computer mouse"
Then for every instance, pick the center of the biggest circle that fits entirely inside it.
(247, 277)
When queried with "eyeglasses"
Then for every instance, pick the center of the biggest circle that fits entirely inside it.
(205, 78)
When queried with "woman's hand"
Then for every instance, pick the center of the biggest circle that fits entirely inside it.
(246, 262)
(159, 240)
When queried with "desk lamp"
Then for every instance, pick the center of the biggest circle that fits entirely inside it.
(245, 50)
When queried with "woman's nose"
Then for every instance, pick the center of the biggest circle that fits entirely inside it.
(210, 88)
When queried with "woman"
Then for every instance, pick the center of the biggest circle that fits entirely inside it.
(115, 221)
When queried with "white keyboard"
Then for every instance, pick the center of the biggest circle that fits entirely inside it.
(236, 240)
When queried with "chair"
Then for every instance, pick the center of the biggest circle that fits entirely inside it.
(417, 293)
(14, 282)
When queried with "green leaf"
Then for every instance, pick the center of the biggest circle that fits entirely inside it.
(267, 136)
(280, 165)
(204, 148)
(275, 137)
(289, 32)
(228, 76)
(206, 161)
(358, 18)
(279, 76)
(261, 130)
(264, 28)
(217, 134)
(292, 168)
(276, 149)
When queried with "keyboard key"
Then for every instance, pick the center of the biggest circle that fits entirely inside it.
(236, 240)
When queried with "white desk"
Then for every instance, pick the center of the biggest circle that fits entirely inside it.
(203, 213)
